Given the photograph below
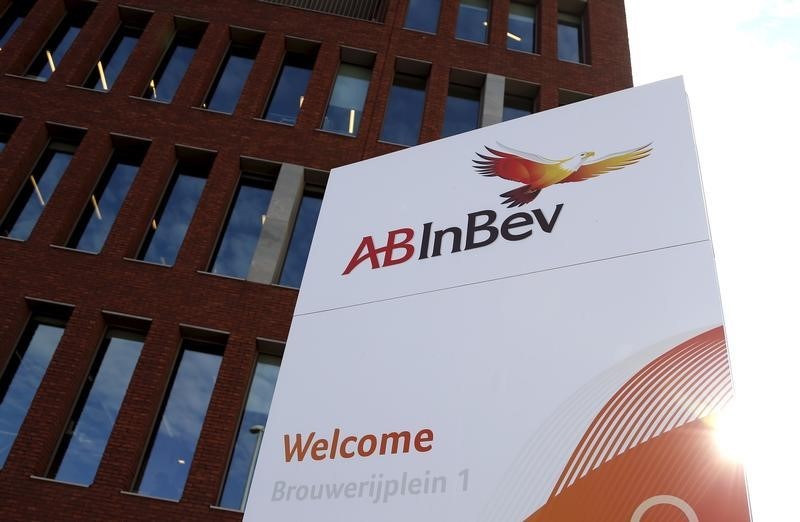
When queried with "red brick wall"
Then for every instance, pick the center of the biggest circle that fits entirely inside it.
(40, 269)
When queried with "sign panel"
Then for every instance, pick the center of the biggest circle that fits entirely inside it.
(517, 323)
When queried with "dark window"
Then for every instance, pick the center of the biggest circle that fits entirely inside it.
(11, 20)
(110, 65)
(37, 190)
(22, 377)
(96, 412)
(171, 222)
(60, 41)
(290, 89)
(170, 72)
(403, 119)
(521, 35)
(462, 110)
(566, 97)
(570, 38)
(172, 447)
(7, 127)
(251, 428)
(423, 15)
(227, 88)
(300, 244)
(243, 227)
(473, 20)
(106, 200)
(516, 106)
(347, 99)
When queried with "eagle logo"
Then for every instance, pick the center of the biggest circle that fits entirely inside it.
(537, 173)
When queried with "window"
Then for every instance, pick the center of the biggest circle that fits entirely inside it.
(243, 226)
(404, 110)
(172, 447)
(251, 427)
(60, 41)
(303, 233)
(174, 64)
(7, 127)
(462, 110)
(521, 35)
(349, 94)
(290, 88)
(423, 15)
(23, 375)
(96, 411)
(233, 73)
(38, 188)
(519, 99)
(113, 59)
(11, 20)
(566, 97)
(169, 226)
(570, 38)
(107, 198)
(473, 20)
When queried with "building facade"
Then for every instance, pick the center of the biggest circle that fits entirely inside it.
(162, 166)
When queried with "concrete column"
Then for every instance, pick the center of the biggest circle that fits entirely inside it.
(278, 225)
(494, 91)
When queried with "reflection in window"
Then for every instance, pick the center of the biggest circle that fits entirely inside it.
(231, 79)
(170, 72)
(300, 244)
(96, 412)
(7, 127)
(243, 227)
(462, 110)
(473, 20)
(22, 377)
(172, 447)
(423, 15)
(105, 73)
(516, 106)
(37, 190)
(171, 222)
(11, 20)
(290, 89)
(347, 99)
(403, 119)
(521, 27)
(60, 41)
(570, 38)
(105, 202)
(251, 427)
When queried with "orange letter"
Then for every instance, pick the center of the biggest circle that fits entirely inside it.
(343, 448)
(373, 442)
(320, 447)
(298, 447)
(395, 438)
(423, 437)
(371, 254)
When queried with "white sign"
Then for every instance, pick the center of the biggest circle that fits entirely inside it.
(516, 323)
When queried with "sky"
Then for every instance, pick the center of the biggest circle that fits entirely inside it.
(741, 64)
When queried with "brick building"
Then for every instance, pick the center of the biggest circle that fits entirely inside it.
(162, 164)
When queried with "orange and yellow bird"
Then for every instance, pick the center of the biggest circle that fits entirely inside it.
(536, 172)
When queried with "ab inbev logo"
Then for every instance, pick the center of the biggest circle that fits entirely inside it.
(534, 172)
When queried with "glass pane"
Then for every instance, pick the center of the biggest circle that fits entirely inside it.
(96, 413)
(290, 89)
(170, 456)
(521, 27)
(230, 81)
(59, 43)
(173, 67)
(569, 42)
(516, 106)
(37, 191)
(300, 244)
(403, 118)
(11, 20)
(172, 221)
(112, 61)
(251, 428)
(423, 15)
(462, 110)
(347, 99)
(104, 205)
(21, 379)
(473, 20)
(243, 228)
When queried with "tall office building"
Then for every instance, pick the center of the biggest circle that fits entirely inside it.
(162, 166)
